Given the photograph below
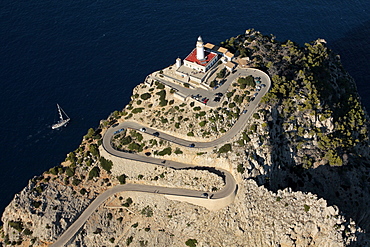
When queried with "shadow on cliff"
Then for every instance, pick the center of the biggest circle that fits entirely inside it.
(354, 50)
(348, 186)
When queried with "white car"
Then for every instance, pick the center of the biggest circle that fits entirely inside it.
(142, 129)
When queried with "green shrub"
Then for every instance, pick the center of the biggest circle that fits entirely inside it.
(106, 164)
(95, 172)
(128, 202)
(229, 94)
(137, 110)
(190, 134)
(94, 149)
(197, 108)
(27, 232)
(191, 242)
(90, 133)
(202, 113)
(145, 96)
(222, 73)
(256, 115)
(72, 157)
(203, 123)
(166, 151)
(163, 103)
(246, 137)
(178, 151)
(240, 168)
(306, 208)
(147, 211)
(122, 179)
(134, 146)
(231, 105)
(70, 172)
(76, 182)
(83, 191)
(160, 86)
(246, 81)
(213, 83)
(129, 240)
(17, 225)
(53, 171)
(126, 140)
(225, 148)
(36, 204)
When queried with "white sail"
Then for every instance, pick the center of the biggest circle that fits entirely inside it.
(62, 121)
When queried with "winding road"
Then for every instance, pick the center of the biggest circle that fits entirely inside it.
(193, 196)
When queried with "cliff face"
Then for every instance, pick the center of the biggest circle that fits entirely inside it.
(301, 164)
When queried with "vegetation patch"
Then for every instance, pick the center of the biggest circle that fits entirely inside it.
(225, 148)
(106, 164)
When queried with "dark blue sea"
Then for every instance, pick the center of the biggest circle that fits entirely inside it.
(88, 55)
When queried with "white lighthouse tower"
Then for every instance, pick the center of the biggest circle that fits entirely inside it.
(200, 49)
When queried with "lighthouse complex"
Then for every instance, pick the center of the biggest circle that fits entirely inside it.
(205, 68)
(202, 62)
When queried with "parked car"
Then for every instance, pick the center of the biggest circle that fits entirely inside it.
(217, 99)
(118, 131)
(205, 195)
(245, 111)
(192, 145)
(219, 94)
(115, 125)
(143, 130)
(147, 153)
(205, 101)
(254, 95)
(263, 85)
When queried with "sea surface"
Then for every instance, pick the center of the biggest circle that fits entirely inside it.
(88, 55)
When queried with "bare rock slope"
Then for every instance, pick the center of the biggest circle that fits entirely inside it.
(301, 164)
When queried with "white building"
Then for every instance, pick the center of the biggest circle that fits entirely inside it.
(199, 59)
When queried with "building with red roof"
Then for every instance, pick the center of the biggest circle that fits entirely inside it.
(199, 59)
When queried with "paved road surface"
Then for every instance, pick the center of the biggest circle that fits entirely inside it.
(230, 183)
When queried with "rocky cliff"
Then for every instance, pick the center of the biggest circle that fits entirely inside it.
(302, 164)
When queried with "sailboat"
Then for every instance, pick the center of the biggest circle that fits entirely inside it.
(62, 121)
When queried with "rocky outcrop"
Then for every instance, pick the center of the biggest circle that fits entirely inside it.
(42, 212)
(302, 164)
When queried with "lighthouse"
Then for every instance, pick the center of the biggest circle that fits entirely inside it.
(200, 49)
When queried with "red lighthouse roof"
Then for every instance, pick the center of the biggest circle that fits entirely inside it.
(208, 56)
